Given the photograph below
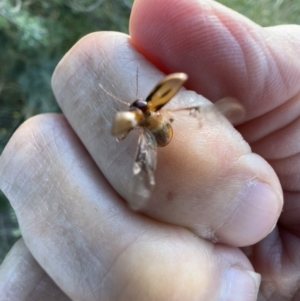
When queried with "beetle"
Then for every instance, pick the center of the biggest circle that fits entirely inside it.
(155, 127)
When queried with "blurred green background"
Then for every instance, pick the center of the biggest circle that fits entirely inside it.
(35, 34)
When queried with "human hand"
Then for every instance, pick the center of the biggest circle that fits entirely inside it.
(212, 194)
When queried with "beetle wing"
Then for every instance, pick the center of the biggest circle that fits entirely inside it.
(143, 169)
(165, 90)
(232, 109)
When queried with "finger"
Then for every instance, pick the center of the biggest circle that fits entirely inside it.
(91, 245)
(223, 52)
(207, 178)
(23, 279)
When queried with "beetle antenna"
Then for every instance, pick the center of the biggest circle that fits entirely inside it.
(113, 96)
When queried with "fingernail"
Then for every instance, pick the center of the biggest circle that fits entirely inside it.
(256, 213)
(239, 284)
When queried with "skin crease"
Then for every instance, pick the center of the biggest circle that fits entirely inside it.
(55, 169)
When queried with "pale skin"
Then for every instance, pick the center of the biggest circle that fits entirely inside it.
(216, 227)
